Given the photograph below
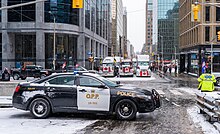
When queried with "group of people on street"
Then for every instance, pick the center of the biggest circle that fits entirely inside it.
(166, 68)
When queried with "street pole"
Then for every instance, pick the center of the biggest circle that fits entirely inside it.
(162, 52)
(175, 53)
(211, 57)
(54, 41)
(54, 45)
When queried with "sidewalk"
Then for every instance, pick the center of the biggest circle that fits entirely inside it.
(5, 101)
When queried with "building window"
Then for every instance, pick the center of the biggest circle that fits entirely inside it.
(207, 33)
(0, 11)
(25, 49)
(207, 13)
(66, 50)
(87, 14)
(217, 30)
(21, 14)
(217, 14)
(63, 11)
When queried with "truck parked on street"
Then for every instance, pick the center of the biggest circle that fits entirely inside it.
(109, 65)
(143, 65)
(126, 68)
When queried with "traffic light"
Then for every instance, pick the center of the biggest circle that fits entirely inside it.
(195, 12)
(218, 36)
(77, 3)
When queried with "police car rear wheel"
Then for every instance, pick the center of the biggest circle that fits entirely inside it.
(40, 108)
(126, 109)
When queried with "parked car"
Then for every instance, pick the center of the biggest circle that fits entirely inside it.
(29, 71)
(84, 92)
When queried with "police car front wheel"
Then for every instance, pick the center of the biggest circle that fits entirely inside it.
(40, 108)
(126, 109)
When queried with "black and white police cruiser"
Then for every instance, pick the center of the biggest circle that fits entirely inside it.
(84, 92)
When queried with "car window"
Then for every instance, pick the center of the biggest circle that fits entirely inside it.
(79, 69)
(107, 82)
(89, 82)
(143, 63)
(63, 80)
(107, 64)
(126, 63)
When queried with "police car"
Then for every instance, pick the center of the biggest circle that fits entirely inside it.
(85, 92)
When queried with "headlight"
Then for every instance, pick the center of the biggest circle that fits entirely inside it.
(144, 97)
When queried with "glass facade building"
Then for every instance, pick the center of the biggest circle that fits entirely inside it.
(168, 27)
(28, 33)
(149, 28)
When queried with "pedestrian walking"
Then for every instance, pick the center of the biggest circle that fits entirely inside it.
(170, 68)
(206, 82)
(175, 68)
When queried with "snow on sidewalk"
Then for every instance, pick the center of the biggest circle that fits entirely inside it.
(16, 121)
(200, 121)
(5, 101)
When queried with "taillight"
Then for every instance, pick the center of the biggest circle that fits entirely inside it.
(17, 88)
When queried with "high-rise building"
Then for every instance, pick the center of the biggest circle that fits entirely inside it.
(125, 40)
(166, 27)
(149, 27)
(27, 33)
(196, 37)
(117, 28)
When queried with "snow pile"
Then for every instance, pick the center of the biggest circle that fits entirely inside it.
(5, 100)
(15, 121)
(200, 121)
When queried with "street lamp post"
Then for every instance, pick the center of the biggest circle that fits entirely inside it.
(54, 41)
(162, 51)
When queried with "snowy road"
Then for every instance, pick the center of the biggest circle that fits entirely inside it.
(15, 121)
(178, 115)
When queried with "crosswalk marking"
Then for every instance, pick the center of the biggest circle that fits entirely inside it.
(175, 92)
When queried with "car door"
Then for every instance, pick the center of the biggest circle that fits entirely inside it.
(62, 91)
(92, 94)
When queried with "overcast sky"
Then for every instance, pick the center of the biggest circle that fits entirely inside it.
(136, 22)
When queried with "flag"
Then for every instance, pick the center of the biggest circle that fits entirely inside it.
(64, 65)
(203, 65)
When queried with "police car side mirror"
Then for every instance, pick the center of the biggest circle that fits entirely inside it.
(46, 83)
(118, 82)
(102, 86)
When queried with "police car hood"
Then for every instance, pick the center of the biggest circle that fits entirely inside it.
(134, 89)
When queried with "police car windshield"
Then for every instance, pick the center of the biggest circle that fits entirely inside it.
(107, 82)
(107, 64)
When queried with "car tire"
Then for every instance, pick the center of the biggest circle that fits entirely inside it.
(42, 76)
(16, 76)
(40, 108)
(126, 109)
(217, 82)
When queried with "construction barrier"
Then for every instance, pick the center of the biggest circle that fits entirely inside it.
(209, 103)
